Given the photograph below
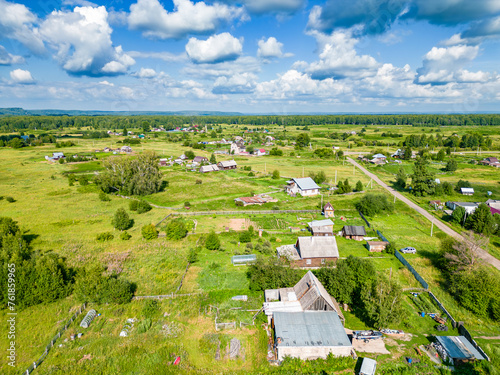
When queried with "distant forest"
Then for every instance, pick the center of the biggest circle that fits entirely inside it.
(20, 123)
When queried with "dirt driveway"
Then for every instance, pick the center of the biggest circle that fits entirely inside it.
(371, 346)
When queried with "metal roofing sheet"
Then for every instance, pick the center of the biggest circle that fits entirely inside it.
(458, 347)
(318, 247)
(305, 183)
(320, 223)
(310, 328)
(354, 230)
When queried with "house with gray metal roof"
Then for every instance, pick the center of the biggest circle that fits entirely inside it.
(321, 227)
(316, 251)
(227, 164)
(310, 335)
(303, 186)
(457, 348)
(354, 232)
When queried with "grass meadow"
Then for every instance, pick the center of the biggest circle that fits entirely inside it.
(66, 220)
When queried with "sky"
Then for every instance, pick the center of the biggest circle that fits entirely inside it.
(251, 56)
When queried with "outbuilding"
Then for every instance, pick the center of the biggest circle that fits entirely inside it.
(354, 232)
(227, 164)
(467, 191)
(310, 335)
(376, 246)
(209, 168)
(457, 348)
(321, 227)
(328, 210)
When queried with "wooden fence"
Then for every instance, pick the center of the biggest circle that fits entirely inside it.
(40, 360)
(253, 212)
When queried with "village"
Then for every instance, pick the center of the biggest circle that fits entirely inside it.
(271, 232)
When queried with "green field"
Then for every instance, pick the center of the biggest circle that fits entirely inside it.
(66, 219)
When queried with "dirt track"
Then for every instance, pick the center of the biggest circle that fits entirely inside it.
(445, 228)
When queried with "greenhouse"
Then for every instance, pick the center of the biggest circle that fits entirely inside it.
(241, 260)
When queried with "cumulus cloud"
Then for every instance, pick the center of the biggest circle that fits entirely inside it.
(21, 76)
(188, 17)
(339, 59)
(216, 49)
(82, 39)
(235, 84)
(145, 73)
(442, 65)
(17, 23)
(271, 48)
(9, 59)
(377, 16)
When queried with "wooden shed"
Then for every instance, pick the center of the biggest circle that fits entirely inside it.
(376, 246)
(354, 232)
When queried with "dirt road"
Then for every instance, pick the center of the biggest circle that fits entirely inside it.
(445, 228)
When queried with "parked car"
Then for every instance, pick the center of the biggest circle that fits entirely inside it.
(408, 250)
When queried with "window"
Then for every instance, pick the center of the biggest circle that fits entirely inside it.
(323, 261)
(308, 261)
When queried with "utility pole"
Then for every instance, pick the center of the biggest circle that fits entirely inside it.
(432, 227)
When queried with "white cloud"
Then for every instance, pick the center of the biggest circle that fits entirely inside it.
(339, 59)
(271, 48)
(17, 22)
(243, 64)
(217, 48)
(235, 84)
(165, 56)
(82, 39)
(106, 83)
(445, 64)
(294, 84)
(21, 76)
(9, 59)
(188, 17)
(145, 73)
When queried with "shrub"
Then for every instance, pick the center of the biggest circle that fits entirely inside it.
(125, 236)
(198, 182)
(143, 206)
(106, 236)
(149, 232)
(239, 203)
(451, 165)
(176, 229)
(391, 248)
(132, 205)
(61, 161)
(359, 186)
(187, 204)
(371, 204)
(192, 255)
(245, 237)
(83, 180)
(212, 242)
(251, 174)
(276, 174)
(104, 197)
(462, 184)
(121, 220)
(10, 199)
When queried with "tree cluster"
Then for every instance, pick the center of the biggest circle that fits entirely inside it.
(374, 299)
(272, 274)
(131, 175)
(372, 204)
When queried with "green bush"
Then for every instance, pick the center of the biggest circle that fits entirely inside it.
(132, 205)
(176, 229)
(149, 232)
(121, 220)
(251, 174)
(245, 237)
(193, 255)
(125, 236)
(143, 206)
(10, 199)
(372, 204)
(92, 286)
(106, 236)
(212, 242)
(276, 174)
(239, 203)
(104, 197)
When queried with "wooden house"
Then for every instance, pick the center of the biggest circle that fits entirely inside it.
(227, 164)
(328, 210)
(303, 186)
(354, 232)
(376, 246)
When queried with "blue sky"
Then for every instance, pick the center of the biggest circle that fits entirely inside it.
(251, 56)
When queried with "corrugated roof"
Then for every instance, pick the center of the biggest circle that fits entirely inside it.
(310, 328)
(320, 223)
(317, 247)
(354, 230)
(325, 229)
(306, 183)
(458, 347)
(209, 168)
(227, 163)
(467, 190)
